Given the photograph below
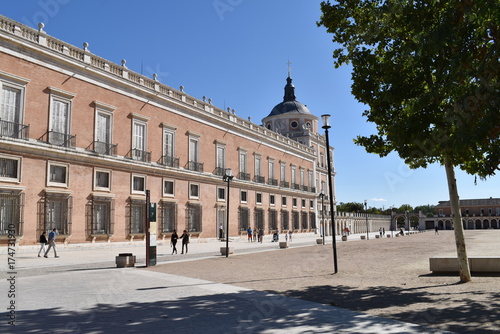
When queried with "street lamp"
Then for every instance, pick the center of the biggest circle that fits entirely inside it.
(408, 219)
(326, 125)
(366, 215)
(228, 176)
(322, 195)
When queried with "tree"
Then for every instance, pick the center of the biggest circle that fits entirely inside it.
(428, 72)
(350, 207)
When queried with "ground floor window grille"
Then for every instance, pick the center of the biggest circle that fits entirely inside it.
(243, 218)
(273, 220)
(303, 220)
(194, 217)
(259, 218)
(11, 213)
(221, 221)
(102, 216)
(295, 220)
(137, 217)
(168, 217)
(285, 220)
(58, 213)
(312, 220)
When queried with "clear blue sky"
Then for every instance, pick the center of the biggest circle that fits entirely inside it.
(236, 52)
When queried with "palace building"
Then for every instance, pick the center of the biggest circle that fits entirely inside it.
(84, 140)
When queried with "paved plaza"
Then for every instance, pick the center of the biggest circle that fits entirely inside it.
(82, 291)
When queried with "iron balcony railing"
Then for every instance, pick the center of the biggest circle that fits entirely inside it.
(59, 139)
(139, 155)
(14, 130)
(244, 176)
(285, 184)
(195, 166)
(169, 161)
(220, 171)
(259, 179)
(296, 186)
(103, 148)
(272, 182)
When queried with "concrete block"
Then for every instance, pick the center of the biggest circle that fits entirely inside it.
(319, 241)
(363, 237)
(283, 244)
(223, 250)
(125, 260)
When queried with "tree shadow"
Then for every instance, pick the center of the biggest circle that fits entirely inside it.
(416, 305)
(241, 312)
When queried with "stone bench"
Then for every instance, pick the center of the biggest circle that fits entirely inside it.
(478, 264)
(319, 241)
(125, 260)
(283, 244)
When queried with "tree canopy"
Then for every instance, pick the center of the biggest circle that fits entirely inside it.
(429, 72)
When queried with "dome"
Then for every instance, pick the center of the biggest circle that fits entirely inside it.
(289, 104)
(292, 107)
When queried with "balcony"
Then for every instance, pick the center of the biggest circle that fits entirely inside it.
(139, 155)
(103, 148)
(285, 184)
(14, 130)
(220, 171)
(305, 188)
(59, 139)
(169, 161)
(259, 179)
(195, 166)
(272, 182)
(296, 186)
(244, 176)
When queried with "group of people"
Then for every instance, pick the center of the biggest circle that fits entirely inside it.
(184, 238)
(276, 236)
(51, 242)
(381, 231)
(254, 235)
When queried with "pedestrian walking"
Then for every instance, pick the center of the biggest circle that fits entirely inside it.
(52, 242)
(436, 229)
(380, 231)
(43, 242)
(254, 235)
(173, 241)
(185, 240)
(290, 235)
(261, 234)
(249, 234)
(383, 230)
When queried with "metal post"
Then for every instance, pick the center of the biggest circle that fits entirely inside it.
(147, 227)
(326, 126)
(228, 176)
(322, 195)
(366, 214)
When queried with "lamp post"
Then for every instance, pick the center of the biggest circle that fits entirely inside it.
(326, 125)
(322, 196)
(228, 176)
(408, 219)
(366, 215)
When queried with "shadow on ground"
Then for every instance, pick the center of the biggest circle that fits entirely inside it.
(415, 304)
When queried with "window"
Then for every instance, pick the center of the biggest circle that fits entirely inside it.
(258, 198)
(102, 179)
(259, 218)
(102, 215)
(258, 165)
(283, 172)
(304, 220)
(10, 168)
(221, 221)
(294, 202)
(243, 161)
(194, 191)
(243, 196)
(294, 124)
(221, 194)
(311, 181)
(12, 91)
(295, 220)
(283, 200)
(194, 154)
(273, 220)
(272, 199)
(138, 184)
(303, 203)
(294, 175)
(221, 159)
(243, 218)
(11, 213)
(169, 147)
(285, 220)
(168, 217)
(58, 212)
(57, 174)
(168, 188)
(312, 220)
(311, 204)
(302, 177)
(60, 115)
(194, 217)
(103, 126)
(271, 169)
(137, 216)
(139, 140)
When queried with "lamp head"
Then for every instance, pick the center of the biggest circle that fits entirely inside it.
(325, 119)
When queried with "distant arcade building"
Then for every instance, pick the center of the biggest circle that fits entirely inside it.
(476, 214)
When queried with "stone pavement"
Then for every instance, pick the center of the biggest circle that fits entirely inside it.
(84, 292)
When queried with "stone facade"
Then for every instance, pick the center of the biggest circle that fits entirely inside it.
(83, 140)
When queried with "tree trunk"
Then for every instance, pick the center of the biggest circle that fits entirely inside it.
(463, 261)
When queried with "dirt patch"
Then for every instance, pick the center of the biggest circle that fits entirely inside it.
(384, 277)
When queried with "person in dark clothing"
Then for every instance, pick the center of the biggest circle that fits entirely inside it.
(173, 241)
(43, 242)
(185, 240)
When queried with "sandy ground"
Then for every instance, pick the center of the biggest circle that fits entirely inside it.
(386, 277)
